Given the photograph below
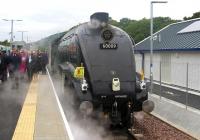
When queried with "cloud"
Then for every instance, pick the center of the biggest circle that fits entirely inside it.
(44, 17)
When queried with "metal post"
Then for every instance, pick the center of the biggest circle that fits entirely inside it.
(11, 37)
(11, 33)
(160, 80)
(186, 94)
(22, 36)
(151, 49)
(151, 43)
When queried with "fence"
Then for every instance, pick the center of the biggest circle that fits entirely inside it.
(176, 81)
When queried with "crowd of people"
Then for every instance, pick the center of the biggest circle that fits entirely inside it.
(20, 64)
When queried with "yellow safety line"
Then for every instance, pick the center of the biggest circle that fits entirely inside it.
(26, 122)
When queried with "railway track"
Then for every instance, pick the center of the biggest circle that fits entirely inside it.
(153, 128)
(150, 127)
(120, 135)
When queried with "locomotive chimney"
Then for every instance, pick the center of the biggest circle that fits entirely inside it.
(100, 16)
(99, 19)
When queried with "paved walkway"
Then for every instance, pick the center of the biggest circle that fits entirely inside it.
(177, 115)
(49, 124)
(40, 118)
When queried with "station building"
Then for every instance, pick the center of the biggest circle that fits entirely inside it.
(18, 44)
(176, 54)
(4, 48)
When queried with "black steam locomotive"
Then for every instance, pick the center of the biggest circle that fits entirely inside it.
(98, 62)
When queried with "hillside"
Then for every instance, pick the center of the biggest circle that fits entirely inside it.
(140, 29)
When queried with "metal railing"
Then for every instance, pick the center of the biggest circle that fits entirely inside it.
(176, 81)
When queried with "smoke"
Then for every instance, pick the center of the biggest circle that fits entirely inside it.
(82, 127)
(10, 94)
(139, 115)
(94, 24)
(87, 129)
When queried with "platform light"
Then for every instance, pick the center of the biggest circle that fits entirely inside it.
(12, 21)
(22, 34)
(151, 43)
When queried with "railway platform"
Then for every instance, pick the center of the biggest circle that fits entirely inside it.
(41, 116)
(176, 114)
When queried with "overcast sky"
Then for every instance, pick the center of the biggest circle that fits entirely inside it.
(45, 17)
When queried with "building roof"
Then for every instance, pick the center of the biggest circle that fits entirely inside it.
(4, 48)
(181, 36)
(19, 43)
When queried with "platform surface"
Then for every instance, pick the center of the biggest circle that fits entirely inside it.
(40, 118)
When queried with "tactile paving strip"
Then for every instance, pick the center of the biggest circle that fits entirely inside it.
(26, 122)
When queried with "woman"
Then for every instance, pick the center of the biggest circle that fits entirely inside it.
(22, 66)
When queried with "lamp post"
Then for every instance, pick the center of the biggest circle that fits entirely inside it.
(12, 21)
(151, 43)
(22, 34)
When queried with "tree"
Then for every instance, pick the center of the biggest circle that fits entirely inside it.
(113, 22)
(195, 15)
(124, 22)
(140, 29)
(5, 43)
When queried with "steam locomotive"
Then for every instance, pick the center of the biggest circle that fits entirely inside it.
(98, 62)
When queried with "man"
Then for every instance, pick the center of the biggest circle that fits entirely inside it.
(30, 62)
(14, 67)
(44, 62)
(39, 61)
(3, 66)
(33, 65)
